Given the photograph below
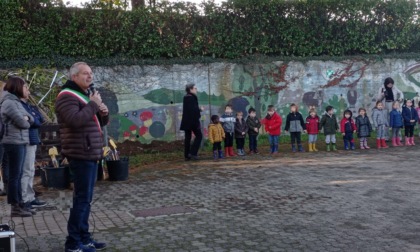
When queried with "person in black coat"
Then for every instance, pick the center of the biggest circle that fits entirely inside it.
(190, 122)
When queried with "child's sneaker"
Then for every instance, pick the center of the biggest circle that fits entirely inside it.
(95, 245)
(256, 151)
(38, 203)
(352, 146)
(80, 248)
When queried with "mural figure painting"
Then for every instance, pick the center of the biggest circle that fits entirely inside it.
(149, 105)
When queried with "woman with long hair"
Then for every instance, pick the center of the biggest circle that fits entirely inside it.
(16, 122)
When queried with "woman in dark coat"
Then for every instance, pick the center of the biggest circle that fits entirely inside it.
(191, 122)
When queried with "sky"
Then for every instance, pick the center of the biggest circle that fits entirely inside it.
(78, 2)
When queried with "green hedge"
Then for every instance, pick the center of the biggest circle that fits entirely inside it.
(53, 36)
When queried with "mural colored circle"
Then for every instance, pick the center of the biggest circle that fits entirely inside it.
(157, 129)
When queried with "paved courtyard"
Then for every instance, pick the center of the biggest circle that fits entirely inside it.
(346, 201)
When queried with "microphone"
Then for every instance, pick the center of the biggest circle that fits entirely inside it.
(91, 89)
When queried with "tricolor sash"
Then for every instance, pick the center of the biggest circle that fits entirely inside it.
(83, 98)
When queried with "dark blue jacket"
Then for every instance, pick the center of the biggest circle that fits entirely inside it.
(395, 119)
(409, 114)
(38, 121)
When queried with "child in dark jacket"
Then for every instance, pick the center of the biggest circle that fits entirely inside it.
(272, 124)
(363, 128)
(240, 133)
(295, 125)
(330, 125)
(410, 119)
(228, 123)
(312, 127)
(348, 127)
(396, 123)
(254, 126)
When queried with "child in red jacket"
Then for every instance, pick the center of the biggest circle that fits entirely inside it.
(272, 123)
(348, 127)
(312, 127)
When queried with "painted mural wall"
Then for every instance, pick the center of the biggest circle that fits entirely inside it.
(146, 102)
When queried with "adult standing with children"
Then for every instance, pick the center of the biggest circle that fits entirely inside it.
(4, 170)
(81, 114)
(387, 94)
(16, 122)
(190, 123)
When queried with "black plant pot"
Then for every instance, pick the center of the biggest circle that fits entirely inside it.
(118, 169)
(58, 178)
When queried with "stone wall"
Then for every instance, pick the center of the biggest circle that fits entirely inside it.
(146, 102)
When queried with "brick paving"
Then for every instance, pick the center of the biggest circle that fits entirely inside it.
(346, 201)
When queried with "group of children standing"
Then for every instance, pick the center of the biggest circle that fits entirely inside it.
(407, 118)
(227, 127)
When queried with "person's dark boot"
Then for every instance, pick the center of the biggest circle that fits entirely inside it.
(300, 148)
(221, 154)
(17, 211)
(28, 207)
(215, 155)
(346, 145)
(293, 148)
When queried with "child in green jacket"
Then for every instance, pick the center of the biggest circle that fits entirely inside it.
(330, 125)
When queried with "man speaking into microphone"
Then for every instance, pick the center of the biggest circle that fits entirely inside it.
(81, 114)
